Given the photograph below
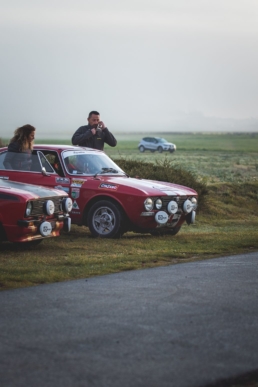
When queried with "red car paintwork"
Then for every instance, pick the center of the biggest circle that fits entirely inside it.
(112, 186)
(16, 225)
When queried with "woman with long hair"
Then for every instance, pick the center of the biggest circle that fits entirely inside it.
(20, 148)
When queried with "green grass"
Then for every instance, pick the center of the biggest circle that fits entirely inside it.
(226, 223)
(80, 256)
(228, 157)
(127, 142)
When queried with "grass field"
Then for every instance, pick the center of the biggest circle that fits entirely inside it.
(227, 225)
(215, 157)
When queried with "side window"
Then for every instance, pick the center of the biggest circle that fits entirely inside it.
(19, 161)
(35, 164)
(53, 159)
(2, 157)
(45, 164)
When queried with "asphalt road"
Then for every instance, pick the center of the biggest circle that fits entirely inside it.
(190, 324)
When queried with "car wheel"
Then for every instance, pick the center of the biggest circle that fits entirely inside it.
(171, 232)
(160, 149)
(141, 148)
(172, 150)
(105, 220)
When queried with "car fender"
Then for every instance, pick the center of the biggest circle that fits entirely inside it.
(97, 198)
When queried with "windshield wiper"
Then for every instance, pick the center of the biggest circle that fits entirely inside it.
(107, 170)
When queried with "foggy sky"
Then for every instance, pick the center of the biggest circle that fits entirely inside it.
(144, 64)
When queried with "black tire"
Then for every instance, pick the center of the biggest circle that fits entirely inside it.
(171, 232)
(2, 233)
(141, 149)
(160, 149)
(105, 220)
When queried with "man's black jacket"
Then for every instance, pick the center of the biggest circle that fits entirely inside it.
(84, 137)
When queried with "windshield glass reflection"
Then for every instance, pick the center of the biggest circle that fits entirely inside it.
(89, 163)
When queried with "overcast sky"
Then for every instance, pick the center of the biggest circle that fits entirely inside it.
(142, 63)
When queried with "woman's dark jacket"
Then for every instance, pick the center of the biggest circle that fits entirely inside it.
(16, 159)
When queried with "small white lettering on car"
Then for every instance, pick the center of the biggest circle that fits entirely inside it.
(108, 186)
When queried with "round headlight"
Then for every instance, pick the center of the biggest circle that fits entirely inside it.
(187, 206)
(67, 205)
(49, 207)
(172, 207)
(148, 204)
(194, 202)
(29, 208)
(158, 204)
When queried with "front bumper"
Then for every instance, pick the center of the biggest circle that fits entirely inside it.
(27, 230)
(174, 212)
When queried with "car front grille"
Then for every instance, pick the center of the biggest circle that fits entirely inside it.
(37, 209)
(166, 199)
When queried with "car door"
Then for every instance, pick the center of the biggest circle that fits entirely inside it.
(41, 172)
(149, 144)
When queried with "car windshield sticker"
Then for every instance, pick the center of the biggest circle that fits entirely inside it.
(77, 183)
(108, 186)
(63, 180)
(66, 189)
(75, 205)
(72, 153)
(75, 193)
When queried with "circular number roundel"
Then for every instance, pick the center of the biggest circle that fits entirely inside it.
(161, 217)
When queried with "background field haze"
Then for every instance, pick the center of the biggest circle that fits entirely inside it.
(146, 65)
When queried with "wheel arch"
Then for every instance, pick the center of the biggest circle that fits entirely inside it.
(98, 198)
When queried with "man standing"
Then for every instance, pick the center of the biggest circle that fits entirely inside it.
(95, 134)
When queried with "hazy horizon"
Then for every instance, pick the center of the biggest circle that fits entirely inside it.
(156, 65)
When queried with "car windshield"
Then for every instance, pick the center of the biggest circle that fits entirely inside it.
(89, 163)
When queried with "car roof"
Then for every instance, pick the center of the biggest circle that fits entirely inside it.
(63, 147)
(156, 138)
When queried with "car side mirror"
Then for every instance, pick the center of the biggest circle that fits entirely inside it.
(44, 172)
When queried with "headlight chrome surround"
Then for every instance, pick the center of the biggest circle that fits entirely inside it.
(148, 204)
(158, 204)
(29, 208)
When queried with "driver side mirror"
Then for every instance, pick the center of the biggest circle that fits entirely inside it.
(44, 172)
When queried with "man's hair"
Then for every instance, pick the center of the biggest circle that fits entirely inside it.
(93, 112)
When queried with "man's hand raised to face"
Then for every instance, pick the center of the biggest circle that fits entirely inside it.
(101, 125)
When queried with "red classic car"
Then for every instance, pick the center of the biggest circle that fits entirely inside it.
(105, 198)
(31, 213)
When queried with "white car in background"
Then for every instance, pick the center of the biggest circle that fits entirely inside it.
(156, 144)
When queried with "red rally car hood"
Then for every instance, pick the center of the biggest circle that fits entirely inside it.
(30, 190)
(150, 187)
